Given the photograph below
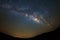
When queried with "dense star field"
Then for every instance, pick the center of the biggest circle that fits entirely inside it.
(24, 18)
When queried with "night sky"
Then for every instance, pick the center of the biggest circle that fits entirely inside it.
(29, 16)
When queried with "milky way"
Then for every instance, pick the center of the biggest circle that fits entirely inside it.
(28, 16)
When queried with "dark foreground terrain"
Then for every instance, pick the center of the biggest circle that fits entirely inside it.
(54, 35)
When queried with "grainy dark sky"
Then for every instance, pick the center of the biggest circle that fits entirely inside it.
(10, 11)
